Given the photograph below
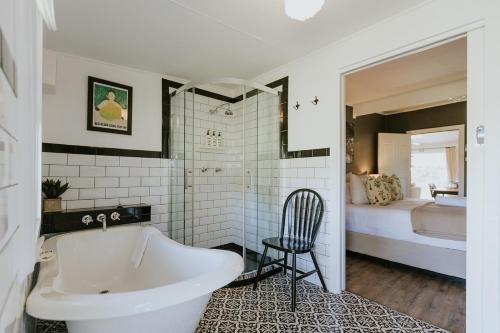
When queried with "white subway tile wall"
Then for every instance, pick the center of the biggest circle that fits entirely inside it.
(100, 181)
(317, 179)
(210, 211)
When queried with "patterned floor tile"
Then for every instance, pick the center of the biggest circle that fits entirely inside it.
(267, 310)
(46, 326)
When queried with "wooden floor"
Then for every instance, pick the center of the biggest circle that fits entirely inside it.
(434, 298)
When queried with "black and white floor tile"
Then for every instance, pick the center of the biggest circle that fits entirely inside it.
(267, 310)
(46, 326)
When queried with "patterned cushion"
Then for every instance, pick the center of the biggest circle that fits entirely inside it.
(377, 191)
(395, 187)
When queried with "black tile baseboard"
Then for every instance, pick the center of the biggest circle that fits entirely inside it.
(252, 263)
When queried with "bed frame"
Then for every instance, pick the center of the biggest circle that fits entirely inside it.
(441, 260)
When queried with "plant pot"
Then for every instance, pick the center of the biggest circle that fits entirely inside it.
(52, 205)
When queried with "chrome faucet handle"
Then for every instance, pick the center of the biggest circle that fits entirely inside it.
(101, 218)
(115, 216)
(87, 219)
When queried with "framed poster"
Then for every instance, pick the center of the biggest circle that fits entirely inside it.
(109, 107)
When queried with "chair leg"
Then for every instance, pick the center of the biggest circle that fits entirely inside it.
(261, 264)
(294, 280)
(318, 271)
(286, 263)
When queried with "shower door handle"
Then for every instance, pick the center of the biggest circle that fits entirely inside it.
(250, 179)
(186, 173)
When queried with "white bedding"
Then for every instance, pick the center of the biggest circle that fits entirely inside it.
(393, 221)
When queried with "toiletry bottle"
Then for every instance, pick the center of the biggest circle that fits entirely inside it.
(214, 139)
(219, 140)
(208, 139)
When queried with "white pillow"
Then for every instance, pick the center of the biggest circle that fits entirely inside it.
(358, 192)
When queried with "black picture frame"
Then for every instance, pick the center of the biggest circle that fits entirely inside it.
(107, 125)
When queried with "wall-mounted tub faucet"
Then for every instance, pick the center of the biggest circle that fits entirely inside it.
(102, 218)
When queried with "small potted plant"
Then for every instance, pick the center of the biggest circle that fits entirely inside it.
(53, 189)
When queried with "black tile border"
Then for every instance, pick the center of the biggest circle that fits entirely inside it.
(283, 109)
(165, 131)
(88, 150)
(71, 219)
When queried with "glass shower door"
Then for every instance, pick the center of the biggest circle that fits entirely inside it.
(250, 192)
(181, 171)
(261, 168)
(268, 147)
(226, 196)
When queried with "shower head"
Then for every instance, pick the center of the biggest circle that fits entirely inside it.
(226, 107)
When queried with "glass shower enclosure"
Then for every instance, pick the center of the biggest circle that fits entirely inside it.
(224, 184)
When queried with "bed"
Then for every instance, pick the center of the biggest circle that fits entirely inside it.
(386, 232)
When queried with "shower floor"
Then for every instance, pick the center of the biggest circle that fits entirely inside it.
(252, 261)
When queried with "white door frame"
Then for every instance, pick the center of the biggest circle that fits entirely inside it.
(474, 32)
(461, 148)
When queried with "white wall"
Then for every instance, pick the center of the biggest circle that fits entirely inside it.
(318, 73)
(321, 74)
(65, 111)
(20, 117)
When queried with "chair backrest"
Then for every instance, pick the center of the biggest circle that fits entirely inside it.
(302, 215)
(432, 187)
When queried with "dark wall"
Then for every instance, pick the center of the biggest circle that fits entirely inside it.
(439, 116)
(367, 127)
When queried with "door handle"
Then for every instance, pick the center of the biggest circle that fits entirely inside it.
(480, 135)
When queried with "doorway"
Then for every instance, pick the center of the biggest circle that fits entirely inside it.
(399, 108)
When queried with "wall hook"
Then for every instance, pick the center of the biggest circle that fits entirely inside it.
(297, 106)
(315, 100)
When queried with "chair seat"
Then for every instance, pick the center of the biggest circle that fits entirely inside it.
(290, 245)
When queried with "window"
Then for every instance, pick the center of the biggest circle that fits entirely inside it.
(429, 166)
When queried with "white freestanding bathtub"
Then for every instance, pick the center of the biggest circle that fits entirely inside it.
(128, 279)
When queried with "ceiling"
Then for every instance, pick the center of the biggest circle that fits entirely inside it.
(435, 139)
(429, 68)
(200, 39)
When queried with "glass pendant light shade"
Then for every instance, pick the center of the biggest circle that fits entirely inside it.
(302, 9)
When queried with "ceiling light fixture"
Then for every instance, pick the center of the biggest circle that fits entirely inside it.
(302, 9)
(46, 8)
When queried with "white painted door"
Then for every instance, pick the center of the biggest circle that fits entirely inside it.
(20, 163)
(394, 157)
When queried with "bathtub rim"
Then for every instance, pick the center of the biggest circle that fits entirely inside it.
(45, 302)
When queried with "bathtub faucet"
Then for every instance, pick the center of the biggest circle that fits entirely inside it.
(102, 218)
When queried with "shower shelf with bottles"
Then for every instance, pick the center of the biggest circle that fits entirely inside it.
(213, 141)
